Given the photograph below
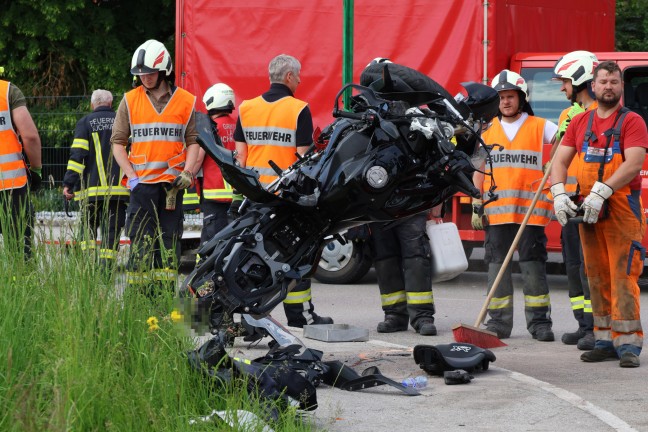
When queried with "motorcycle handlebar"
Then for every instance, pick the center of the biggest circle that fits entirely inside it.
(347, 114)
(466, 185)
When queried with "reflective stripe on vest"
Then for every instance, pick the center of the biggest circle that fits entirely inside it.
(215, 188)
(13, 171)
(518, 172)
(157, 152)
(270, 130)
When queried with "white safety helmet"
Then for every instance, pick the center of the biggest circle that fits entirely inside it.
(507, 80)
(151, 57)
(219, 97)
(578, 66)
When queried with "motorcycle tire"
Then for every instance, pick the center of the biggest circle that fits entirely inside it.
(413, 78)
(343, 264)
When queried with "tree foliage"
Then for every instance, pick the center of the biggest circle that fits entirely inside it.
(70, 47)
(631, 25)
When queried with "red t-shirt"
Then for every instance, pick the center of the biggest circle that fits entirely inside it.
(633, 134)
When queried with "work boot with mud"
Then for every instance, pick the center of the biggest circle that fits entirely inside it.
(393, 323)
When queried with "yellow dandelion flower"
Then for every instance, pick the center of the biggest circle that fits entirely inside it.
(154, 327)
(152, 321)
(176, 316)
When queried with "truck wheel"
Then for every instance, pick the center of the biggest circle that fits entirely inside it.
(415, 79)
(343, 264)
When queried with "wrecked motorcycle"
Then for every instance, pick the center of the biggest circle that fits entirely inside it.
(403, 146)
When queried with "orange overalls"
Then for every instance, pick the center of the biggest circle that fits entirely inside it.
(614, 256)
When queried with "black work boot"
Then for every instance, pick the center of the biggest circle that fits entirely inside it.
(393, 323)
(426, 327)
(543, 334)
(599, 355)
(573, 338)
(587, 342)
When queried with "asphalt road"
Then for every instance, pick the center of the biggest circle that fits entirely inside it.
(532, 386)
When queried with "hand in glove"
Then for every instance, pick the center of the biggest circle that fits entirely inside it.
(575, 109)
(35, 178)
(183, 181)
(477, 220)
(233, 212)
(132, 182)
(594, 201)
(563, 206)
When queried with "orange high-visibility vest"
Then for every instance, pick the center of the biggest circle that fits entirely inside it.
(158, 150)
(270, 130)
(571, 185)
(518, 173)
(215, 188)
(13, 171)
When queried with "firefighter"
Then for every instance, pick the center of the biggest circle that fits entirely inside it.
(93, 178)
(575, 71)
(160, 118)
(278, 108)
(517, 170)
(18, 134)
(611, 146)
(403, 264)
(216, 194)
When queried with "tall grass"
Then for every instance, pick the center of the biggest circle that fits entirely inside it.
(78, 355)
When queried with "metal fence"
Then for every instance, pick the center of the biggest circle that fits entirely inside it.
(56, 118)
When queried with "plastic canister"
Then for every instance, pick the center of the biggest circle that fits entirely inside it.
(448, 255)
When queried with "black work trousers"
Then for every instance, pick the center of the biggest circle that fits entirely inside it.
(17, 219)
(154, 232)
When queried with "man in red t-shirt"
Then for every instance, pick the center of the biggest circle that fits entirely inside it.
(610, 144)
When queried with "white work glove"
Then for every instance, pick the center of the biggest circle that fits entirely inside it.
(476, 220)
(594, 201)
(563, 206)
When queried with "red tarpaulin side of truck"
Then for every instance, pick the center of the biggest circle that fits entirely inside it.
(232, 41)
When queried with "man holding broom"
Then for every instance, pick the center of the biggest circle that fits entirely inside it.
(518, 171)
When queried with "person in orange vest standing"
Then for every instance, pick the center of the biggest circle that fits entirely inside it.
(216, 194)
(16, 179)
(274, 126)
(575, 70)
(93, 178)
(610, 144)
(160, 118)
(517, 171)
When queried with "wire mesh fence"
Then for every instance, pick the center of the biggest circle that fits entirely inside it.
(56, 118)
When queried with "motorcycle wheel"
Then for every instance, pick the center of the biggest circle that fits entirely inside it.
(343, 264)
(415, 79)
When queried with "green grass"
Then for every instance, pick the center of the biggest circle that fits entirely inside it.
(77, 356)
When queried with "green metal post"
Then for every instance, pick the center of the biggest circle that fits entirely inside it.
(347, 48)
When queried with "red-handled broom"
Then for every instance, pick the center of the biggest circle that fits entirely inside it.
(481, 337)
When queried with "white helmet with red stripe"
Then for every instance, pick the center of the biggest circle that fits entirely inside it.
(507, 80)
(151, 56)
(578, 66)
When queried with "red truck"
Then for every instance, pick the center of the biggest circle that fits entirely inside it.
(451, 41)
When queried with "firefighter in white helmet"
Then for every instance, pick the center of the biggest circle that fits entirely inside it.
(517, 169)
(159, 117)
(575, 71)
(216, 195)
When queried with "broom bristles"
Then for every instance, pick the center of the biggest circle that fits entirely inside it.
(476, 336)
